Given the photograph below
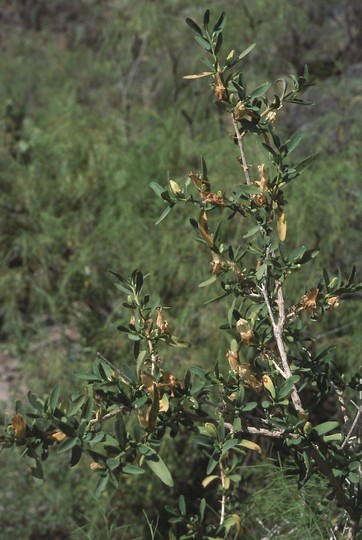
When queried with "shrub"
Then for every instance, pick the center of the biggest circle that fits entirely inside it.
(276, 383)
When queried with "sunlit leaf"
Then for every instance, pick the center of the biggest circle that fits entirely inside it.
(250, 445)
(198, 75)
(282, 226)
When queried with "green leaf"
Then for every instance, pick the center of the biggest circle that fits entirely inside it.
(287, 387)
(221, 429)
(194, 27)
(308, 255)
(159, 190)
(112, 463)
(140, 360)
(208, 64)
(251, 232)
(35, 402)
(270, 150)
(182, 505)
(210, 430)
(132, 469)
(298, 253)
(325, 427)
(260, 272)
(240, 396)
(164, 214)
(354, 478)
(230, 443)
(199, 372)
(203, 42)
(251, 405)
(293, 142)
(213, 461)
(247, 51)
(154, 409)
(87, 410)
(159, 468)
(260, 90)
(250, 445)
(204, 169)
(307, 162)
(206, 18)
(120, 431)
(209, 281)
(67, 444)
(75, 455)
(54, 396)
(333, 437)
(220, 23)
(75, 404)
(138, 433)
(351, 276)
(102, 483)
(202, 509)
(354, 465)
(37, 470)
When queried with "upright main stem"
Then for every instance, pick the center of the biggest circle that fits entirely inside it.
(278, 335)
(243, 161)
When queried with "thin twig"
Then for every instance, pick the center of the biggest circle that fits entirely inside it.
(106, 416)
(353, 426)
(276, 433)
(243, 161)
(342, 405)
(223, 497)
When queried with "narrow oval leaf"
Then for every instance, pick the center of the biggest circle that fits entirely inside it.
(206, 481)
(132, 469)
(209, 281)
(204, 43)
(159, 190)
(268, 384)
(250, 445)
(67, 444)
(164, 214)
(293, 142)
(220, 23)
(260, 90)
(247, 51)
(102, 483)
(54, 396)
(326, 427)
(194, 27)
(159, 468)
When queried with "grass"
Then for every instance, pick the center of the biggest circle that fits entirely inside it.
(78, 149)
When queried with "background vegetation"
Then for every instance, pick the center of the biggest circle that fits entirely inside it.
(94, 108)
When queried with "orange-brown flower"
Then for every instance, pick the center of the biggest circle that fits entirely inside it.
(246, 333)
(19, 426)
(309, 300)
(233, 359)
(161, 323)
(333, 302)
(58, 435)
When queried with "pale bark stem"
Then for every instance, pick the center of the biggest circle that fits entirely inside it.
(243, 163)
